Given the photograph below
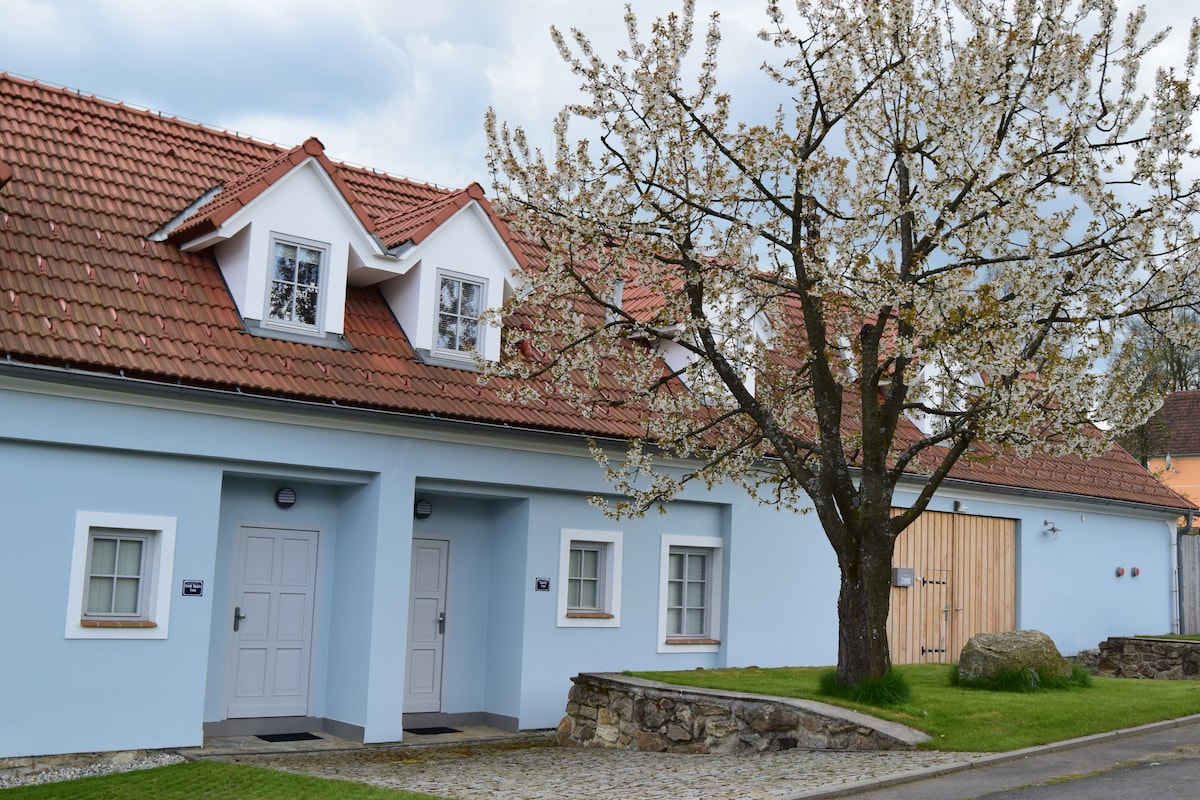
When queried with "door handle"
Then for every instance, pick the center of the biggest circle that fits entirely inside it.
(441, 622)
(238, 616)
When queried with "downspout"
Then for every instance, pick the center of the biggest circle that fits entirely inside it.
(1177, 588)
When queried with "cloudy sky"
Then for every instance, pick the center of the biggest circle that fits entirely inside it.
(400, 85)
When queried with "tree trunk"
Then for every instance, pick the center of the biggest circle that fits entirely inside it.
(863, 600)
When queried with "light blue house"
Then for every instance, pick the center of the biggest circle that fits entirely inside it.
(252, 484)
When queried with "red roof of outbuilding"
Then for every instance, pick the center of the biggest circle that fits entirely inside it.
(85, 183)
(1180, 415)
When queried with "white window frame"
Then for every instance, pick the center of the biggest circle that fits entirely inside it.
(158, 559)
(608, 594)
(269, 321)
(714, 546)
(437, 313)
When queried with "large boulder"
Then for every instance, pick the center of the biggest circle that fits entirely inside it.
(988, 655)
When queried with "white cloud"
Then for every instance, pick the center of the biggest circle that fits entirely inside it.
(400, 85)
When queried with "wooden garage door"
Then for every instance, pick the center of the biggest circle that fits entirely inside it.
(964, 582)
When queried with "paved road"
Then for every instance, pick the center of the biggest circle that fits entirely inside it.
(1159, 779)
(1161, 761)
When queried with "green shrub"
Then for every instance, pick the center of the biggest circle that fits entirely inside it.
(891, 689)
(1025, 680)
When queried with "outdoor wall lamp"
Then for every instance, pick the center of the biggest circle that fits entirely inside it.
(422, 509)
(285, 497)
(1051, 529)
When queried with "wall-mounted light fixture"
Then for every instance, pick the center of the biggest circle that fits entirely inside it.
(960, 507)
(422, 509)
(285, 497)
(1134, 571)
(1051, 529)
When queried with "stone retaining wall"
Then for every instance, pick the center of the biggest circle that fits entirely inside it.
(1131, 657)
(618, 711)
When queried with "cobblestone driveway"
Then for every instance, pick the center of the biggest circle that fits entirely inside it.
(533, 771)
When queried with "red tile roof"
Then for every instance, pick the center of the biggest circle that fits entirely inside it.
(415, 223)
(1180, 413)
(84, 183)
(239, 192)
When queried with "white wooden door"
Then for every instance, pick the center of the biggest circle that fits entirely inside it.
(426, 626)
(275, 583)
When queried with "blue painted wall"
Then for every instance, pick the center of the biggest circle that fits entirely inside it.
(501, 508)
(1067, 585)
(67, 695)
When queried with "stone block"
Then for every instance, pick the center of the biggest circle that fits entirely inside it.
(565, 732)
(762, 718)
(684, 717)
(607, 734)
(649, 742)
(653, 716)
(678, 733)
(719, 727)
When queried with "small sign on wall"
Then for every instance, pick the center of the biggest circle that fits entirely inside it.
(193, 588)
(541, 584)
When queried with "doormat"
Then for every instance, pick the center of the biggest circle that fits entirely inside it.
(288, 737)
(431, 731)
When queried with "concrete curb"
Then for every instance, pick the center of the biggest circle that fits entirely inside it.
(990, 759)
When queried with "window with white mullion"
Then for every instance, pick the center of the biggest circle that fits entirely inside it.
(121, 567)
(295, 290)
(460, 305)
(589, 579)
(584, 577)
(115, 573)
(687, 593)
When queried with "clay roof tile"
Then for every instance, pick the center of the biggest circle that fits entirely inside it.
(86, 181)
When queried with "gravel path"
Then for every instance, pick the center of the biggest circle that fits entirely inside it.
(102, 765)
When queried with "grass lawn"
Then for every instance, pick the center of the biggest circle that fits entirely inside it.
(206, 780)
(975, 720)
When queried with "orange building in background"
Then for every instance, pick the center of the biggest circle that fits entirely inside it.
(1178, 465)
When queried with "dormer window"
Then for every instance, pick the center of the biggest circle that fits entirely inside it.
(294, 296)
(460, 304)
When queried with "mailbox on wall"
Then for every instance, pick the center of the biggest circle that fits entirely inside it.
(902, 576)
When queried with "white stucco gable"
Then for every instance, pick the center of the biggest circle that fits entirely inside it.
(288, 251)
(305, 210)
(465, 249)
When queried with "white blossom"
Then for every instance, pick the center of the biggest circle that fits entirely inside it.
(946, 221)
